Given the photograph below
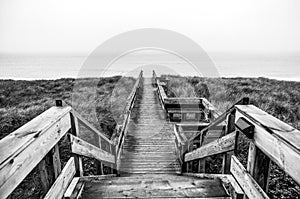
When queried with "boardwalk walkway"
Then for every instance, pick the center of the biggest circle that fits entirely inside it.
(149, 164)
(149, 145)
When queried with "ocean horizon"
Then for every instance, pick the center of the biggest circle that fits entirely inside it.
(49, 66)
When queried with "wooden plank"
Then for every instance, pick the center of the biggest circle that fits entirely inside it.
(201, 162)
(258, 166)
(81, 147)
(272, 124)
(285, 154)
(89, 126)
(77, 158)
(62, 182)
(247, 183)
(183, 111)
(75, 188)
(20, 164)
(56, 160)
(46, 173)
(16, 141)
(221, 145)
(98, 163)
(226, 179)
(219, 118)
(227, 156)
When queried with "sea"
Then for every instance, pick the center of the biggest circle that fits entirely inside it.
(54, 66)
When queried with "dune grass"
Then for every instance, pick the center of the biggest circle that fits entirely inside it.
(98, 100)
(279, 98)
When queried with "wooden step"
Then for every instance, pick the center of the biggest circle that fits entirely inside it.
(154, 186)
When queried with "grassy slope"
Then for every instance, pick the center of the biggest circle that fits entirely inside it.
(279, 98)
(100, 101)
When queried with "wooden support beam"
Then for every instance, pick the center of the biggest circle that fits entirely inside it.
(62, 182)
(84, 148)
(56, 160)
(98, 163)
(90, 127)
(258, 166)
(46, 173)
(75, 132)
(75, 188)
(111, 151)
(221, 145)
(201, 162)
(245, 180)
(49, 168)
(227, 156)
(22, 150)
(276, 139)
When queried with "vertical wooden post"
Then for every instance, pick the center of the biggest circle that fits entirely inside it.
(171, 116)
(201, 162)
(99, 165)
(77, 158)
(111, 165)
(258, 166)
(229, 129)
(183, 117)
(50, 167)
(46, 173)
(56, 161)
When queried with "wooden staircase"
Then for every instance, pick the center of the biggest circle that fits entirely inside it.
(152, 157)
(149, 145)
(149, 165)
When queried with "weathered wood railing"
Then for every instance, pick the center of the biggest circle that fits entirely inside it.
(127, 112)
(201, 108)
(270, 140)
(36, 144)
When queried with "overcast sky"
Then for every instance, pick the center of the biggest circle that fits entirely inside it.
(70, 26)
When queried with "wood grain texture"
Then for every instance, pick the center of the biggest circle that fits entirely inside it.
(62, 182)
(275, 139)
(149, 144)
(224, 144)
(16, 141)
(20, 164)
(89, 126)
(228, 181)
(245, 180)
(75, 188)
(155, 186)
(82, 147)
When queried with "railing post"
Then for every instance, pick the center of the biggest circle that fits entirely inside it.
(227, 156)
(46, 173)
(201, 162)
(77, 158)
(111, 165)
(50, 166)
(258, 166)
(99, 164)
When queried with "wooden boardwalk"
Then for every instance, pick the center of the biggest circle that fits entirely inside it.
(149, 145)
(153, 156)
(149, 166)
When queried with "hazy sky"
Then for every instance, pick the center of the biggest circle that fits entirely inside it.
(68, 26)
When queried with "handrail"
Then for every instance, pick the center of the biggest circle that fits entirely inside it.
(220, 118)
(90, 126)
(127, 112)
(270, 140)
(27, 147)
(279, 141)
